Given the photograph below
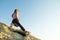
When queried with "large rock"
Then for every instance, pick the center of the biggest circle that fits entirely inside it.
(7, 33)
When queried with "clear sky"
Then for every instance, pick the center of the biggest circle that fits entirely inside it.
(40, 17)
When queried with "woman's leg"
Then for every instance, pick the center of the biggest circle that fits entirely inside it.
(11, 25)
(20, 26)
(16, 21)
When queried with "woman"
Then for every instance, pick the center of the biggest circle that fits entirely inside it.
(15, 20)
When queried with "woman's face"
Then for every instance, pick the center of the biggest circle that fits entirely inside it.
(17, 11)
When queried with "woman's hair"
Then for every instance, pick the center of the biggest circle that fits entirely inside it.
(15, 10)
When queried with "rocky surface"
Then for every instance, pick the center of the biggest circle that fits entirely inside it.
(7, 33)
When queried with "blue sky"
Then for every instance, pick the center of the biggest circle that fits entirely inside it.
(40, 17)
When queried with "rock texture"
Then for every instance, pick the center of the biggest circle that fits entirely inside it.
(7, 33)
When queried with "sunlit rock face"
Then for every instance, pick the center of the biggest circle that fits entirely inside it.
(7, 33)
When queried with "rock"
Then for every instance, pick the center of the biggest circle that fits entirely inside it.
(7, 33)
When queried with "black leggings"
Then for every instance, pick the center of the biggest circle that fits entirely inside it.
(16, 22)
